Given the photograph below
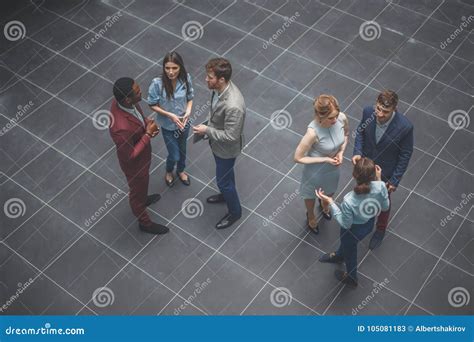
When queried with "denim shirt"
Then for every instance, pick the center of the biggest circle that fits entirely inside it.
(358, 209)
(176, 105)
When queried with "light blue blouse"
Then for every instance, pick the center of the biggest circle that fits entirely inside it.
(176, 105)
(358, 209)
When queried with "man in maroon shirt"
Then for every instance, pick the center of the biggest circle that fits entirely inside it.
(131, 133)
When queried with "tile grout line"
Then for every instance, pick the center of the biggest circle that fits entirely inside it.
(38, 275)
(88, 233)
(436, 264)
(299, 56)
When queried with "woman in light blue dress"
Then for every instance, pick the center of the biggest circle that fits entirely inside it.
(321, 152)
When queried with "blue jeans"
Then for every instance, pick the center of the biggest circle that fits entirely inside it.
(348, 247)
(175, 142)
(226, 184)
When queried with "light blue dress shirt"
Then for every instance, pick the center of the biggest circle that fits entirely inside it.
(176, 105)
(358, 209)
(381, 128)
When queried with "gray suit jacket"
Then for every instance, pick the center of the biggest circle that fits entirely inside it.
(226, 124)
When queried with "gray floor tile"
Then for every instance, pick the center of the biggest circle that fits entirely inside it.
(447, 291)
(331, 57)
(225, 288)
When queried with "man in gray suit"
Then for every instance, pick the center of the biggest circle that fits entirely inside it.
(224, 129)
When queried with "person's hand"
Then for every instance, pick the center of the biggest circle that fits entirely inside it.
(333, 161)
(177, 121)
(199, 129)
(186, 118)
(355, 158)
(340, 157)
(326, 200)
(390, 187)
(152, 129)
(378, 173)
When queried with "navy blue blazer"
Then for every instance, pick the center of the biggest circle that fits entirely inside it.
(393, 152)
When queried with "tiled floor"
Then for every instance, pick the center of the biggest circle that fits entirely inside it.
(59, 169)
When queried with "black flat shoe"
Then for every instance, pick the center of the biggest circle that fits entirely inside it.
(186, 182)
(314, 230)
(170, 182)
(331, 258)
(226, 221)
(152, 199)
(344, 278)
(216, 199)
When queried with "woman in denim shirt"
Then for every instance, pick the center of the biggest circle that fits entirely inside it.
(356, 216)
(171, 96)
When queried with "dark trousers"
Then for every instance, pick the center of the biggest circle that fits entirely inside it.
(138, 186)
(348, 247)
(175, 142)
(226, 184)
(382, 219)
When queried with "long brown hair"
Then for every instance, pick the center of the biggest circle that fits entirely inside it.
(175, 58)
(364, 173)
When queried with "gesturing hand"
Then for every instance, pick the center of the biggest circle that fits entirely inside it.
(323, 197)
(199, 129)
(152, 129)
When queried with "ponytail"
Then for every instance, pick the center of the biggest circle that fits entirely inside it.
(364, 173)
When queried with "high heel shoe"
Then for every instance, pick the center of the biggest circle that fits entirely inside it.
(326, 215)
(314, 230)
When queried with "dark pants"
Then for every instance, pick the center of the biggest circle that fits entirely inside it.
(348, 247)
(175, 142)
(382, 220)
(138, 186)
(226, 184)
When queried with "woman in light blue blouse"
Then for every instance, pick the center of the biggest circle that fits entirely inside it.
(356, 216)
(171, 96)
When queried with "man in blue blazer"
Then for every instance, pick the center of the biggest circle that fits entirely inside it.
(385, 136)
